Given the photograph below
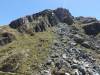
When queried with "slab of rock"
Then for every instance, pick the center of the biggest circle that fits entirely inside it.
(86, 44)
(92, 28)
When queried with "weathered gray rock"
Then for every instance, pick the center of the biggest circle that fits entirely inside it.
(49, 62)
(75, 72)
(72, 43)
(59, 73)
(55, 55)
(37, 22)
(85, 19)
(93, 72)
(64, 15)
(82, 69)
(40, 21)
(86, 44)
(67, 74)
(46, 72)
(6, 38)
(78, 38)
(64, 56)
(92, 28)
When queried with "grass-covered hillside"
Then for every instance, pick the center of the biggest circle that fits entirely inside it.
(25, 51)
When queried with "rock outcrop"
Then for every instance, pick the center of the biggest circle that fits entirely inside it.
(6, 38)
(85, 20)
(64, 15)
(40, 21)
(92, 28)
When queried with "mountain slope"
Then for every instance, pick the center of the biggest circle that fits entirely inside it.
(51, 42)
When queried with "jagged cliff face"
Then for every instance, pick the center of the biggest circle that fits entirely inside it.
(51, 42)
(40, 21)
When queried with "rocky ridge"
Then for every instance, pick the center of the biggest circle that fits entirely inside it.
(40, 21)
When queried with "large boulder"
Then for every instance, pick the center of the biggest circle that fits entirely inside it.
(92, 28)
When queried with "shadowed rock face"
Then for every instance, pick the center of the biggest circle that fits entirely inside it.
(64, 15)
(40, 27)
(40, 21)
(92, 29)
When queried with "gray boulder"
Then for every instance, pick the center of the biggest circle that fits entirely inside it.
(78, 38)
(92, 28)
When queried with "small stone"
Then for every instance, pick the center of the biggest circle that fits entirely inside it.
(67, 74)
(58, 73)
(97, 47)
(64, 56)
(58, 65)
(86, 44)
(55, 55)
(49, 62)
(75, 61)
(78, 38)
(82, 69)
(86, 65)
(46, 72)
(73, 43)
(75, 66)
(75, 72)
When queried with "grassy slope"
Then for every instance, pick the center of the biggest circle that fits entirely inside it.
(28, 51)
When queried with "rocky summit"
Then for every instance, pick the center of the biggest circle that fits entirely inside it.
(51, 42)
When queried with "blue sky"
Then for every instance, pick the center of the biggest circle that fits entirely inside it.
(13, 9)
